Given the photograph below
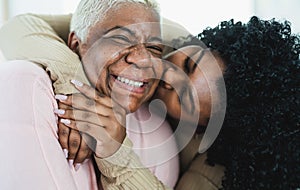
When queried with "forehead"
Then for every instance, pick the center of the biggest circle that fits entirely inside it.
(140, 19)
(132, 12)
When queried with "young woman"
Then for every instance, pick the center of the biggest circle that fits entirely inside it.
(259, 140)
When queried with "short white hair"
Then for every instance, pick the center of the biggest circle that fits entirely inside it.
(89, 12)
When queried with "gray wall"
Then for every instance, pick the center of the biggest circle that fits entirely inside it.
(280, 9)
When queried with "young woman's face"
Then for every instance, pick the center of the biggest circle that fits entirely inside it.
(201, 69)
(122, 55)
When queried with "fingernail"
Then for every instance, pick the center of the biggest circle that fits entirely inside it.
(66, 152)
(59, 111)
(65, 121)
(77, 83)
(77, 166)
(71, 162)
(61, 97)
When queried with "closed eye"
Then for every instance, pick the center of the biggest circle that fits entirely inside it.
(155, 49)
(120, 39)
(186, 64)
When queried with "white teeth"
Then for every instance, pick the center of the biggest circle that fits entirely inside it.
(130, 82)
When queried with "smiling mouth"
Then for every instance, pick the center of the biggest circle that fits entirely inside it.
(137, 86)
(130, 82)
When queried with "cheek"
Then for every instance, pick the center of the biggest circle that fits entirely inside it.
(96, 63)
(170, 99)
(95, 71)
(174, 110)
(204, 99)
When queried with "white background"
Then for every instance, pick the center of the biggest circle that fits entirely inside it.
(195, 15)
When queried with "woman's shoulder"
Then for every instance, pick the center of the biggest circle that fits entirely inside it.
(196, 173)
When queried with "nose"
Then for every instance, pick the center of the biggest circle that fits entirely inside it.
(140, 56)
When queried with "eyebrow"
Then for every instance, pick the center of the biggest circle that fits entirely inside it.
(155, 39)
(151, 40)
(120, 28)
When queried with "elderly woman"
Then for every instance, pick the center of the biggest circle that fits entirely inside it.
(124, 73)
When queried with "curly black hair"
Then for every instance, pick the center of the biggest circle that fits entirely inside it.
(259, 143)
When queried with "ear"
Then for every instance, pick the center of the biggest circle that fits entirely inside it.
(74, 43)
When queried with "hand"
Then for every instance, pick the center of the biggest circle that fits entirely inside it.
(95, 115)
(75, 148)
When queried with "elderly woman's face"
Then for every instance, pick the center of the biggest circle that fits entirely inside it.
(122, 55)
(201, 69)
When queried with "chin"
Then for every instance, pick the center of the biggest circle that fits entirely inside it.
(129, 106)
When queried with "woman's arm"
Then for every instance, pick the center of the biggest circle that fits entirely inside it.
(28, 37)
(59, 23)
(134, 176)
